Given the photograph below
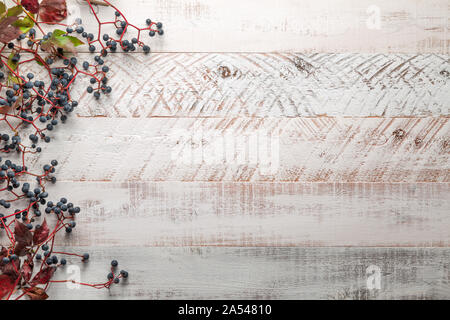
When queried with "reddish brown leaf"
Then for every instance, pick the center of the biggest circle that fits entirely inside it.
(27, 270)
(6, 285)
(43, 276)
(21, 249)
(41, 233)
(7, 31)
(30, 5)
(22, 234)
(35, 293)
(53, 10)
(5, 109)
(3, 253)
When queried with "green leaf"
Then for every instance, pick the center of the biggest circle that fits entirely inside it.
(14, 11)
(58, 33)
(60, 39)
(75, 41)
(2, 8)
(24, 24)
(13, 78)
(13, 65)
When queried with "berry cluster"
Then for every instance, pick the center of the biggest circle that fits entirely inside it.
(32, 105)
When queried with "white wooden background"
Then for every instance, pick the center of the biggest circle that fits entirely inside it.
(361, 115)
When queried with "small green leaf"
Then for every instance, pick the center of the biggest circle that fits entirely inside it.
(11, 63)
(58, 33)
(14, 11)
(14, 79)
(2, 8)
(75, 41)
(24, 24)
(60, 39)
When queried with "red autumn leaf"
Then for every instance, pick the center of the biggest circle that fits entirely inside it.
(22, 234)
(5, 109)
(6, 285)
(3, 253)
(7, 31)
(41, 233)
(43, 276)
(53, 10)
(30, 5)
(21, 249)
(35, 293)
(27, 270)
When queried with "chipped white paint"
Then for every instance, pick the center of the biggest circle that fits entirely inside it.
(375, 112)
(267, 85)
(257, 214)
(271, 85)
(318, 149)
(410, 26)
(264, 273)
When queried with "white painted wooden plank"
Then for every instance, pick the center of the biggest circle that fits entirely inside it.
(257, 214)
(275, 85)
(412, 26)
(120, 220)
(321, 149)
(263, 273)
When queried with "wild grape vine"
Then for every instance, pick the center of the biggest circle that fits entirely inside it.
(34, 105)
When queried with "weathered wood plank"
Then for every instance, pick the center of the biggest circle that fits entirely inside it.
(257, 214)
(271, 85)
(412, 26)
(129, 219)
(321, 149)
(267, 85)
(263, 273)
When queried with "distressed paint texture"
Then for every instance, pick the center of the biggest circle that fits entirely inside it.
(320, 149)
(361, 155)
(408, 26)
(266, 273)
(272, 85)
(258, 214)
(267, 85)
